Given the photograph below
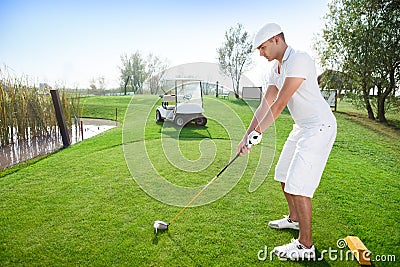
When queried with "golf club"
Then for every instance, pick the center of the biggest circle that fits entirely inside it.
(162, 226)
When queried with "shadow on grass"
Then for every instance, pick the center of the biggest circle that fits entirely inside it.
(189, 131)
(157, 234)
(391, 128)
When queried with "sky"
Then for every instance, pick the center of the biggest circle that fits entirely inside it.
(69, 42)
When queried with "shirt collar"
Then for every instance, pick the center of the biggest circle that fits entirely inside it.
(288, 51)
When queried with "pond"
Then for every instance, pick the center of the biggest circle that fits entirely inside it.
(37, 146)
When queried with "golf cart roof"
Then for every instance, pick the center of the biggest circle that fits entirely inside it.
(183, 79)
(178, 82)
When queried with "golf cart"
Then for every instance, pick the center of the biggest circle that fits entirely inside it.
(182, 104)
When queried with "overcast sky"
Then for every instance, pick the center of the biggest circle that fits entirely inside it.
(70, 42)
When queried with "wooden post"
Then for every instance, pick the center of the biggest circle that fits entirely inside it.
(82, 130)
(60, 117)
(358, 249)
(336, 95)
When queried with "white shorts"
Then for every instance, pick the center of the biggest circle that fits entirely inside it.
(304, 157)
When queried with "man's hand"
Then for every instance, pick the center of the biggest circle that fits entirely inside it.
(254, 138)
(249, 140)
(242, 146)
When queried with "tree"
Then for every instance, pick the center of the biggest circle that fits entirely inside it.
(360, 40)
(388, 74)
(234, 56)
(97, 85)
(155, 68)
(136, 70)
(133, 72)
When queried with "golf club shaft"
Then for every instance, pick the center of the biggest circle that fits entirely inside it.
(202, 190)
(227, 165)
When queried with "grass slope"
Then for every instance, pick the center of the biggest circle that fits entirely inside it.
(80, 206)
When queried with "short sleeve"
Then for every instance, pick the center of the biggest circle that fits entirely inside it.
(300, 66)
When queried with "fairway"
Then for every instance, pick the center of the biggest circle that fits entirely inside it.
(94, 203)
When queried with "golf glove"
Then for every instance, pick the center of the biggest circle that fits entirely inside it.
(254, 138)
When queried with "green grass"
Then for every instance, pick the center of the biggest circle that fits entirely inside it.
(392, 115)
(112, 107)
(81, 206)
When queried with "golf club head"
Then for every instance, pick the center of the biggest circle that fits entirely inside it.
(160, 225)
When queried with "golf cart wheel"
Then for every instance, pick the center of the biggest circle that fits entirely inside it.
(201, 121)
(158, 116)
(179, 121)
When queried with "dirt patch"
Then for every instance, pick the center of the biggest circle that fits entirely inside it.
(97, 122)
(378, 127)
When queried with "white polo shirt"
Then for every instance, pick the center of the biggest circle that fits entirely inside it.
(307, 106)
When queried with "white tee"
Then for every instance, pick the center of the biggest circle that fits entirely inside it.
(307, 106)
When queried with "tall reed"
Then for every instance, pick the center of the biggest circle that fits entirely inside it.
(27, 111)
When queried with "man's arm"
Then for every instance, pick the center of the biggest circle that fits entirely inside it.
(265, 105)
(266, 113)
(289, 87)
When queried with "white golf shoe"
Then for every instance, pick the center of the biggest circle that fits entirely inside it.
(285, 223)
(295, 251)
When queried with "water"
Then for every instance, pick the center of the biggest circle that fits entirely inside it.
(37, 146)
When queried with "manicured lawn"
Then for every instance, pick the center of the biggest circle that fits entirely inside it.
(392, 115)
(81, 205)
(111, 108)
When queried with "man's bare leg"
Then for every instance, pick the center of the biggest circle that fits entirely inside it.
(303, 209)
(292, 210)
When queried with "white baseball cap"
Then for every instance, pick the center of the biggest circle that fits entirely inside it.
(268, 31)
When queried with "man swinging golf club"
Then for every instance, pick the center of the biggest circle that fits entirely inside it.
(292, 82)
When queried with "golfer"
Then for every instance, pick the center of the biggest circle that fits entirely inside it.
(292, 82)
